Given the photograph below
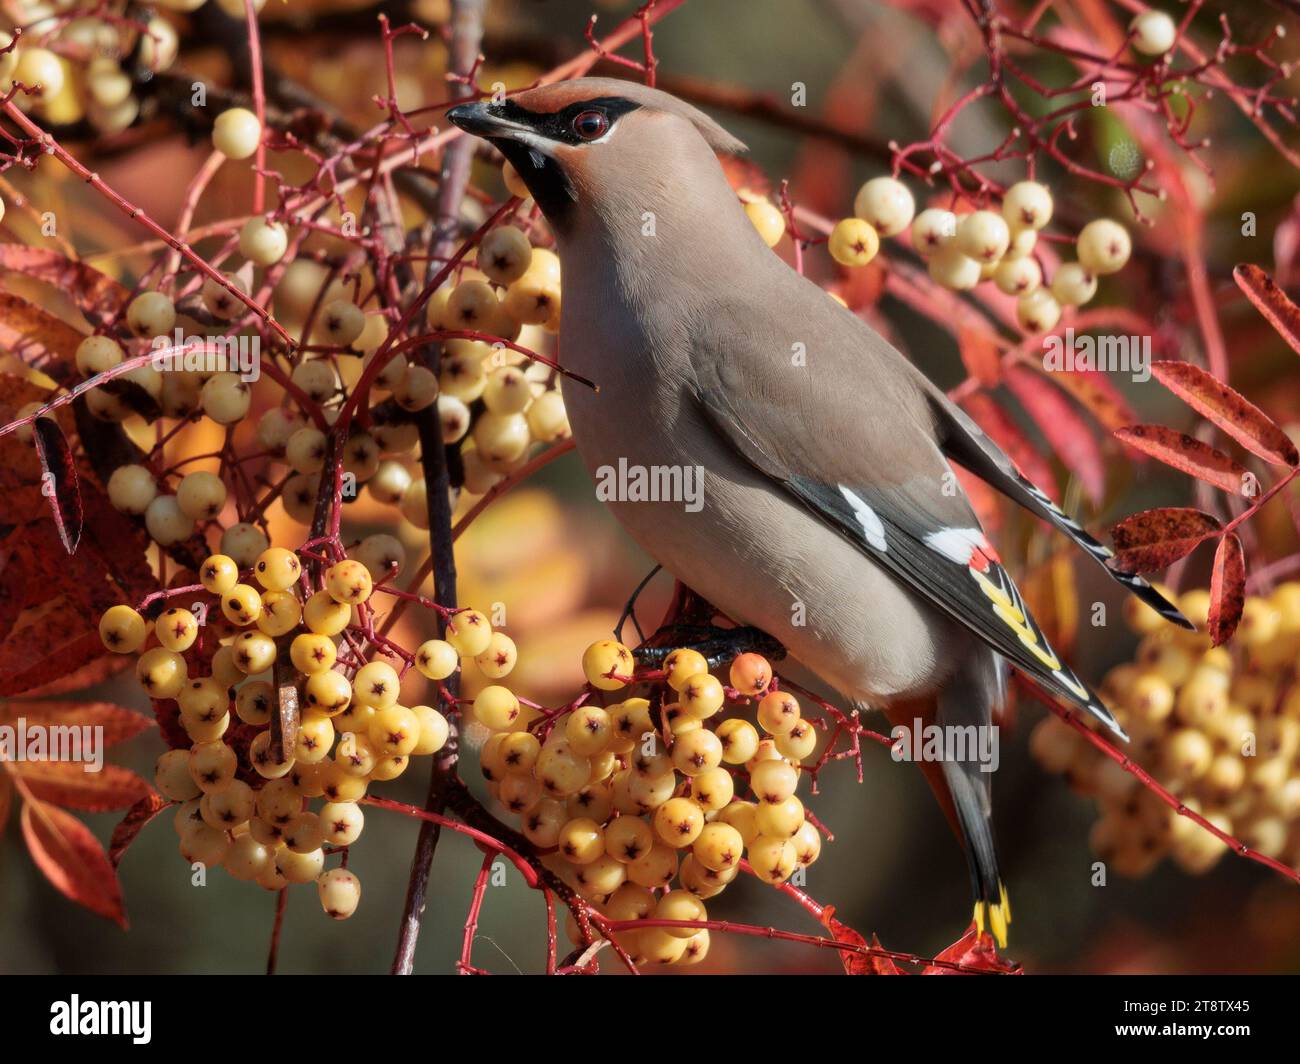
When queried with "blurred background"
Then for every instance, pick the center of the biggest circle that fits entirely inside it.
(873, 71)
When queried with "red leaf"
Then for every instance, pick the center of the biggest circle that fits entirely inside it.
(1270, 301)
(1228, 409)
(61, 477)
(980, 354)
(1098, 395)
(1064, 428)
(1227, 589)
(1157, 538)
(1188, 454)
(119, 724)
(91, 289)
(1007, 435)
(72, 859)
(972, 951)
(67, 783)
(857, 963)
(132, 824)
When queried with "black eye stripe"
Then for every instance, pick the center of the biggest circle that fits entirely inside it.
(558, 125)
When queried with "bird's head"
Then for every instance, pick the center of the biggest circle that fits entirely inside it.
(584, 144)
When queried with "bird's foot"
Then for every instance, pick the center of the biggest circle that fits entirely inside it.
(718, 645)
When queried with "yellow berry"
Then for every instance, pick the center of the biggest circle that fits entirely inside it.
(122, 630)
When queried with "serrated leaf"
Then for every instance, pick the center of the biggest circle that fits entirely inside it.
(60, 472)
(117, 722)
(1270, 301)
(1155, 539)
(72, 859)
(980, 354)
(1227, 589)
(1187, 454)
(1228, 409)
(1064, 428)
(67, 783)
(132, 824)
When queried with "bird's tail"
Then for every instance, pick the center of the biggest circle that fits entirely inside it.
(967, 706)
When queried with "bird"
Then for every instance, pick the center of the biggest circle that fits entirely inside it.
(830, 518)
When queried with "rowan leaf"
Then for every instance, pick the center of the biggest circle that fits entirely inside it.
(117, 722)
(132, 824)
(60, 472)
(90, 289)
(974, 953)
(857, 963)
(1187, 454)
(980, 354)
(1098, 395)
(1228, 409)
(1007, 435)
(36, 336)
(1155, 539)
(1270, 301)
(72, 859)
(1227, 589)
(1064, 428)
(68, 783)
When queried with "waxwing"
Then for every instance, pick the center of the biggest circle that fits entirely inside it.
(829, 515)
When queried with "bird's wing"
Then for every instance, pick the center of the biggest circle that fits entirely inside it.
(966, 444)
(861, 455)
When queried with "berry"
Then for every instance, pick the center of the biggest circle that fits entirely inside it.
(772, 859)
(166, 522)
(504, 254)
(341, 322)
(212, 766)
(853, 242)
(376, 684)
(340, 893)
(702, 696)
(1016, 277)
(983, 235)
(779, 819)
(1027, 205)
(886, 203)
(328, 691)
(394, 731)
(778, 712)
(241, 605)
(436, 659)
(767, 220)
(1038, 311)
(201, 496)
(750, 674)
(932, 229)
(95, 354)
(122, 630)
(678, 822)
(681, 666)
(607, 664)
(263, 241)
(248, 858)
(225, 398)
(243, 542)
(254, 702)
(281, 612)
(469, 632)
(433, 728)
(277, 569)
(316, 378)
(161, 672)
(773, 780)
(496, 708)
(1073, 285)
(236, 133)
(37, 66)
(263, 758)
(417, 389)
(299, 867)
(172, 775)
(324, 615)
(1153, 32)
(131, 489)
(254, 652)
(176, 629)
(547, 418)
(1104, 246)
(950, 267)
(348, 582)
(150, 314)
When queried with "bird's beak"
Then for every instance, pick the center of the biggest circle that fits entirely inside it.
(479, 119)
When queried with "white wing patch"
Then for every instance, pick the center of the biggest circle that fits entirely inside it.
(956, 544)
(872, 528)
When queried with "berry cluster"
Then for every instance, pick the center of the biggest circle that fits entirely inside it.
(1220, 729)
(244, 802)
(626, 798)
(963, 250)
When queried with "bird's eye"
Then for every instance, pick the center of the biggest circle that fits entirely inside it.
(590, 125)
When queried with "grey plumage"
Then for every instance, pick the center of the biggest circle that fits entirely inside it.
(831, 518)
